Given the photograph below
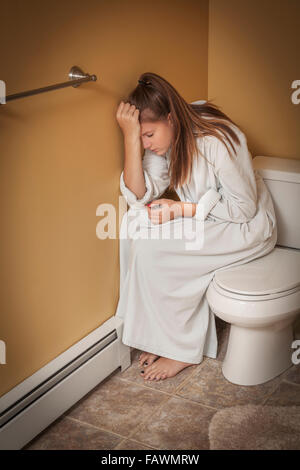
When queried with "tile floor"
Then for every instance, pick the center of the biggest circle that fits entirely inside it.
(124, 412)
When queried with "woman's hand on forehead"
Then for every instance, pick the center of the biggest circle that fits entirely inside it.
(128, 119)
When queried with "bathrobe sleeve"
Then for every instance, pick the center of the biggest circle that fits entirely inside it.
(235, 199)
(156, 180)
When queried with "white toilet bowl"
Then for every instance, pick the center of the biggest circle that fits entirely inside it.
(261, 300)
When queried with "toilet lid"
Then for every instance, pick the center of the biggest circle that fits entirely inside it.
(277, 271)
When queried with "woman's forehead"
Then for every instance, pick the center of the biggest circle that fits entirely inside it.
(148, 126)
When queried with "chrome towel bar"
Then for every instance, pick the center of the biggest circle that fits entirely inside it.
(76, 77)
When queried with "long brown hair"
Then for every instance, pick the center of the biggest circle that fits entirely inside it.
(155, 98)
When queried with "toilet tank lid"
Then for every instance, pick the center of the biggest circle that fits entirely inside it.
(278, 169)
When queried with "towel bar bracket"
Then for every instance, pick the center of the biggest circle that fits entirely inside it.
(76, 78)
(76, 74)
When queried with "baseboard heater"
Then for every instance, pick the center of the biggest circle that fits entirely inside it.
(35, 403)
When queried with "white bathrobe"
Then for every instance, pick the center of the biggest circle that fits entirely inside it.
(163, 281)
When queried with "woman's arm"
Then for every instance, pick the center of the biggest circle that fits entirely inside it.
(128, 119)
(236, 198)
(133, 171)
(143, 178)
(188, 209)
(163, 210)
(156, 177)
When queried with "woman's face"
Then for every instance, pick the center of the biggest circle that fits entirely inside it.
(157, 136)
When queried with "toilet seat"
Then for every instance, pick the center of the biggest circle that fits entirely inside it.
(253, 298)
(274, 275)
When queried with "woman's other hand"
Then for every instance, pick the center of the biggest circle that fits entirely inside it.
(128, 119)
(169, 210)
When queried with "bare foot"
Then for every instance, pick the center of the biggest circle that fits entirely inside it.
(164, 368)
(147, 357)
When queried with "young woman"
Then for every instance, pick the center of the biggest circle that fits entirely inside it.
(199, 152)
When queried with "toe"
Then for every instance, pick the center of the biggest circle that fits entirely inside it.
(151, 376)
(148, 377)
(142, 360)
(144, 373)
(146, 359)
(149, 373)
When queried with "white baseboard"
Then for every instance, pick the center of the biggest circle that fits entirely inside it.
(35, 403)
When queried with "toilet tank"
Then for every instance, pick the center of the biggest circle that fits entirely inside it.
(282, 178)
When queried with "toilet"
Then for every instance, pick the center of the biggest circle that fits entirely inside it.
(261, 298)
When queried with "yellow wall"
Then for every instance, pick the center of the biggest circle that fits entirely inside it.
(62, 155)
(253, 59)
